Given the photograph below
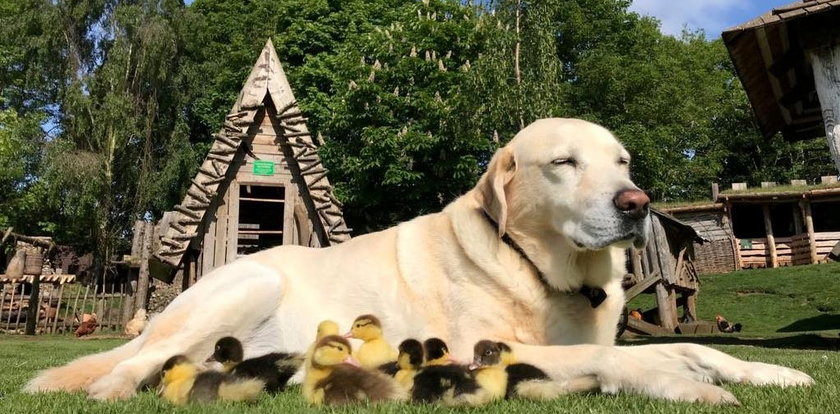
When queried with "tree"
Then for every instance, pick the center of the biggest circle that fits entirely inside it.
(391, 122)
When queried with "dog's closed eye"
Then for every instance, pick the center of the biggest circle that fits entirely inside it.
(565, 161)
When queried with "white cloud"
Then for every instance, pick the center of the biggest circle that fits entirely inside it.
(711, 15)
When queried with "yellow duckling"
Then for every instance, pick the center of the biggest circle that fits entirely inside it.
(335, 377)
(325, 329)
(184, 383)
(375, 350)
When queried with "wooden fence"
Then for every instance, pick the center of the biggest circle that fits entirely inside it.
(62, 303)
(794, 250)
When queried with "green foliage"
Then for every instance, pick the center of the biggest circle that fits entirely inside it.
(392, 126)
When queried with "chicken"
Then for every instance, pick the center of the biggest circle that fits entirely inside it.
(135, 326)
(87, 326)
(724, 325)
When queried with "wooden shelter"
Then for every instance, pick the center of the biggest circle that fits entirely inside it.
(765, 227)
(788, 60)
(665, 268)
(261, 185)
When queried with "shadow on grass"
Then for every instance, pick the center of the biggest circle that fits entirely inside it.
(803, 341)
(816, 323)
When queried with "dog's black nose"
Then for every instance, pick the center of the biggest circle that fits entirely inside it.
(632, 201)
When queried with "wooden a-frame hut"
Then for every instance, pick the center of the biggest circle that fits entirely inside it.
(261, 185)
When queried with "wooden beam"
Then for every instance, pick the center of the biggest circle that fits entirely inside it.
(826, 64)
(805, 205)
(640, 287)
(771, 241)
(645, 327)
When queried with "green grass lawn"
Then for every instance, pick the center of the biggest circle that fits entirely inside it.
(783, 311)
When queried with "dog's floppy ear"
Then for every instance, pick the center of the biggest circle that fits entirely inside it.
(491, 186)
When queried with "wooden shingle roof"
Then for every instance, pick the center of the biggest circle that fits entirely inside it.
(770, 57)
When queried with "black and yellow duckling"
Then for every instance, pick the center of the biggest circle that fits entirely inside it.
(183, 382)
(445, 383)
(437, 353)
(409, 362)
(375, 350)
(525, 380)
(274, 369)
(335, 377)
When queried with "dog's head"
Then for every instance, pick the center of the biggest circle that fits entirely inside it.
(570, 177)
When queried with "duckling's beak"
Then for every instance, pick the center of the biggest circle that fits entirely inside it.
(352, 361)
(349, 334)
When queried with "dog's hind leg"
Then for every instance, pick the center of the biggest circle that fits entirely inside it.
(710, 365)
(80, 373)
(237, 303)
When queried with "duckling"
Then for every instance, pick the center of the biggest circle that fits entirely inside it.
(443, 383)
(273, 369)
(375, 350)
(183, 383)
(492, 381)
(437, 353)
(525, 380)
(409, 361)
(336, 378)
(325, 329)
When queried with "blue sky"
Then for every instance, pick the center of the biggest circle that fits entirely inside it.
(713, 16)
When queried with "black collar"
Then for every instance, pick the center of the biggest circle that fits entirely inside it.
(595, 295)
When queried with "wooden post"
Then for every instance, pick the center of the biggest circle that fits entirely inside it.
(11, 303)
(137, 240)
(34, 305)
(667, 301)
(797, 220)
(142, 295)
(771, 241)
(715, 191)
(805, 205)
(826, 64)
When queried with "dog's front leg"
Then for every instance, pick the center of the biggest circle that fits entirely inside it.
(710, 365)
(614, 370)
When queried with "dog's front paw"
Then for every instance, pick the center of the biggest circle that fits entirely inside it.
(758, 373)
(712, 394)
(112, 388)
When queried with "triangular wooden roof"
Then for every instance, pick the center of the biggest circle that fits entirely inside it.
(267, 81)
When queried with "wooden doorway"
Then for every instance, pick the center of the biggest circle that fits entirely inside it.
(265, 216)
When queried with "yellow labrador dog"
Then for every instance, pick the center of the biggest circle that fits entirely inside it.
(532, 256)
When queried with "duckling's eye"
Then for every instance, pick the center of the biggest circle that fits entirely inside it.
(623, 161)
(565, 161)
(488, 352)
